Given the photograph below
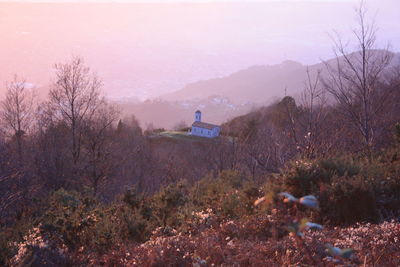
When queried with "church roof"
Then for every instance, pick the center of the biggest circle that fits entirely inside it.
(204, 125)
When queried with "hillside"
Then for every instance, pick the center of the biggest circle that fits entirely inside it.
(227, 97)
(222, 98)
(256, 84)
(178, 136)
(167, 114)
(168, 199)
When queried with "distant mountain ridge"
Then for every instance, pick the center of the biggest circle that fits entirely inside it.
(256, 84)
(227, 97)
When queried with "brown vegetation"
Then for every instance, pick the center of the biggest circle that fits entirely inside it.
(80, 186)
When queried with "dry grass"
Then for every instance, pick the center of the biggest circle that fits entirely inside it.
(256, 241)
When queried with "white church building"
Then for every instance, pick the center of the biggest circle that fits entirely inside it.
(204, 129)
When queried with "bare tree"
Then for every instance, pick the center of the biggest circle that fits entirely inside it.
(75, 96)
(313, 101)
(98, 145)
(182, 125)
(16, 113)
(353, 79)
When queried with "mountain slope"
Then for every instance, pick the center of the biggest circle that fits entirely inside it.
(230, 96)
(257, 84)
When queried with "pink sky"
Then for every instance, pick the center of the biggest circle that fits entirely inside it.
(144, 50)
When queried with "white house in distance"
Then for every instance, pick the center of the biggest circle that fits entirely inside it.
(204, 129)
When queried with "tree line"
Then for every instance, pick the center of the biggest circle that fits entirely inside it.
(76, 139)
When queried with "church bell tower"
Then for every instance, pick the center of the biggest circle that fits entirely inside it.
(197, 116)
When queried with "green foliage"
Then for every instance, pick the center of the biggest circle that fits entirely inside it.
(306, 177)
(349, 200)
(132, 198)
(303, 177)
(69, 214)
(167, 205)
(10, 234)
(229, 194)
(339, 167)
(366, 195)
(135, 221)
(81, 221)
(347, 189)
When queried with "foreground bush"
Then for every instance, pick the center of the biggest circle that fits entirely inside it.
(230, 194)
(248, 242)
(215, 222)
(350, 190)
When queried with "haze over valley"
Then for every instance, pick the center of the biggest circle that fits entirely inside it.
(146, 51)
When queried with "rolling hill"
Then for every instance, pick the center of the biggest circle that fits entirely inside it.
(229, 96)
(256, 84)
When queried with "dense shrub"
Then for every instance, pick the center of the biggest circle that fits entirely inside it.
(10, 234)
(168, 205)
(5, 252)
(304, 177)
(229, 194)
(246, 242)
(348, 200)
(350, 190)
(81, 221)
(397, 133)
(70, 215)
(339, 166)
(136, 215)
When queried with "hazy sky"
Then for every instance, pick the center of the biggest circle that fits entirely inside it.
(147, 49)
(172, 1)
